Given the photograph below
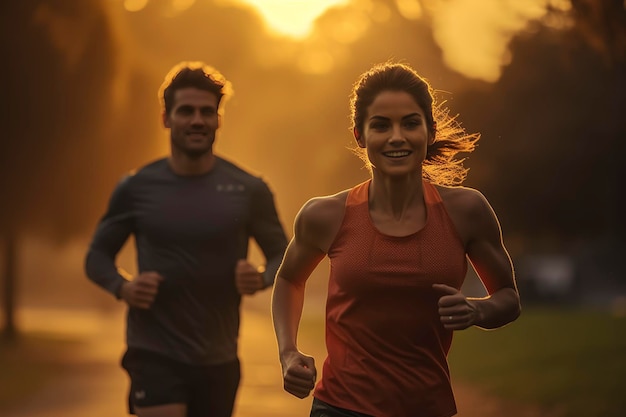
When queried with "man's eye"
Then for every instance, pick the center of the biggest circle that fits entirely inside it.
(185, 110)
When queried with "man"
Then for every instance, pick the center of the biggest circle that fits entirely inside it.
(192, 215)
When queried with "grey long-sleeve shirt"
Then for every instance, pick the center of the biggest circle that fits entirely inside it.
(191, 230)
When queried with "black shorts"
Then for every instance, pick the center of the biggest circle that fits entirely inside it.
(321, 409)
(158, 380)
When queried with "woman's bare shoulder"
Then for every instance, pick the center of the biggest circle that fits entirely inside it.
(462, 198)
(324, 209)
(468, 208)
(470, 211)
(319, 220)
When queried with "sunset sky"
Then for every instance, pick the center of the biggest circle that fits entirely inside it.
(472, 33)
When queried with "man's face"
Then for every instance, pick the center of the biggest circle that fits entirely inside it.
(193, 121)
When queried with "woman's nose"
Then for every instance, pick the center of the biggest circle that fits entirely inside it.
(397, 136)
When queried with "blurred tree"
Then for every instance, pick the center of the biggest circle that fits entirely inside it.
(59, 66)
(602, 24)
(553, 127)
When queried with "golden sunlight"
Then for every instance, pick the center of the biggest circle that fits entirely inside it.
(175, 6)
(135, 5)
(293, 18)
(474, 36)
(410, 9)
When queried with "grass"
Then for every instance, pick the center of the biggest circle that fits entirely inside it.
(570, 360)
(28, 363)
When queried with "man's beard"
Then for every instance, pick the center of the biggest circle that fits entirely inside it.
(194, 153)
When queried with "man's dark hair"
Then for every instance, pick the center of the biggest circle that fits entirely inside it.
(196, 75)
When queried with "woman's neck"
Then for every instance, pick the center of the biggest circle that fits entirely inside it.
(394, 197)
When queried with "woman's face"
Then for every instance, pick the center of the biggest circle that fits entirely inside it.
(395, 134)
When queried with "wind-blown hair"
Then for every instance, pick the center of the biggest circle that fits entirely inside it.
(441, 165)
(193, 74)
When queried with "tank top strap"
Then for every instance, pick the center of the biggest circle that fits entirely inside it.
(431, 195)
(359, 194)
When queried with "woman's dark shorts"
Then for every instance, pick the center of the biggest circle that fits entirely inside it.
(321, 409)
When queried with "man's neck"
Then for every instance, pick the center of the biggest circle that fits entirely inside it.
(185, 165)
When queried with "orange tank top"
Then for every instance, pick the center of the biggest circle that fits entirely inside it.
(386, 346)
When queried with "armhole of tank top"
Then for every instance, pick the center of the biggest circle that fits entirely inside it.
(349, 197)
(431, 194)
(437, 199)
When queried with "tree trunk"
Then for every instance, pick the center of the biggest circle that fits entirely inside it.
(9, 331)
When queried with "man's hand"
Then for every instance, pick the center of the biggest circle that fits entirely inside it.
(248, 278)
(141, 291)
(299, 373)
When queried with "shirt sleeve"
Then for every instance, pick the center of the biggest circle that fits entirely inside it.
(111, 233)
(267, 231)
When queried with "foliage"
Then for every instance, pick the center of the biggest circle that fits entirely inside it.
(56, 91)
(550, 154)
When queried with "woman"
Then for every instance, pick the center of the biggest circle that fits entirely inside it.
(398, 246)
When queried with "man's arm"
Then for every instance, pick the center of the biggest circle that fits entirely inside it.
(267, 231)
(111, 233)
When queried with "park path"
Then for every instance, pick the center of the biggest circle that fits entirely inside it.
(93, 385)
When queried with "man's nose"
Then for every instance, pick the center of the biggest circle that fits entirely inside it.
(197, 118)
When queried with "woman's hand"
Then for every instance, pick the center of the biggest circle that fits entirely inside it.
(299, 373)
(456, 312)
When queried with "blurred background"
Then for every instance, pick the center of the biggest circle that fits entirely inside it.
(542, 81)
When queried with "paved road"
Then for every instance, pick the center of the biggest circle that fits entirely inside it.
(93, 385)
